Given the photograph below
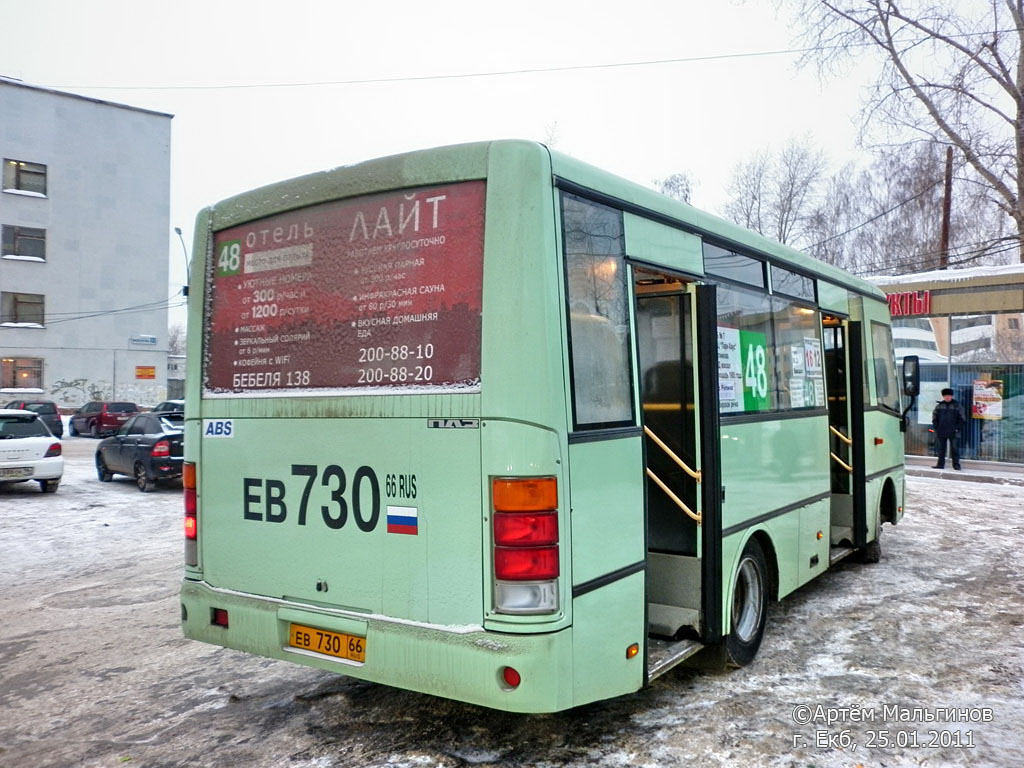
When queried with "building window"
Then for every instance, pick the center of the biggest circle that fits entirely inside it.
(1013, 323)
(21, 372)
(21, 309)
(24, 243)
(20, 176)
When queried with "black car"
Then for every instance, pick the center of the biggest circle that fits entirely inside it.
(148, 447)
(47, 410)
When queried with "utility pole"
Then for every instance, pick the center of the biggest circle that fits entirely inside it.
(946, 205)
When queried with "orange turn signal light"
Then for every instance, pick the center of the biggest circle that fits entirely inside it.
(820, 535)
(524, 494)
(632, 650)
(188, 475)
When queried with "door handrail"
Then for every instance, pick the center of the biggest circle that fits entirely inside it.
(840, 462)
(695, 474)
(840, 435)
(679, 502)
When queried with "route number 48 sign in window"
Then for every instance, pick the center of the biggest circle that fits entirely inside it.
(743, 371)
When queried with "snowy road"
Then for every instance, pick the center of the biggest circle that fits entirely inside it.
(94, 670)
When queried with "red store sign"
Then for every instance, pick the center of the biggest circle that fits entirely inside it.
(910, 303)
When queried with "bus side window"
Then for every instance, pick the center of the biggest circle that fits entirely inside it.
(598, 302)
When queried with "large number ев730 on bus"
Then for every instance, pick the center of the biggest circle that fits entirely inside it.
(489, 423)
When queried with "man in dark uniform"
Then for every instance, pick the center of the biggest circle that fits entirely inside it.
(947, 420)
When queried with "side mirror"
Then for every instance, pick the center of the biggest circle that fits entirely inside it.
(911, 376)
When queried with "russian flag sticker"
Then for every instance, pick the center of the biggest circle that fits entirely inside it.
(403, 520)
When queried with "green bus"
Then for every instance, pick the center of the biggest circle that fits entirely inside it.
(489, 423)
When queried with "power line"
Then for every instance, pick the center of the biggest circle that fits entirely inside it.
(55, 318)
(495, 73)
(878, 216)
(1013, 243)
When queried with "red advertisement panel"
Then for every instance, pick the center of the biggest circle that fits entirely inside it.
(378, 292)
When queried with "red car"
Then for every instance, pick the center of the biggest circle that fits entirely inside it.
(101, 417)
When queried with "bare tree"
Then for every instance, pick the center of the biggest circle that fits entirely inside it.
(774, 193)
(678, 186)
(176, 339)
(951, 73)
(885, 218)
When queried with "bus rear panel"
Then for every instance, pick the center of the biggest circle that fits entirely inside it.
(377, 462)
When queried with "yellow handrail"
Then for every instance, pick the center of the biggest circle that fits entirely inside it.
(695, 474)
(679, 502)
(840, 435)
(840, 462)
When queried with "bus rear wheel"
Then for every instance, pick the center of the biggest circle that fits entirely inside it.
(749, 609)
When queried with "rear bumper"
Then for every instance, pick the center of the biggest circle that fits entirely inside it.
(41, 469)
(165, 468)
(463, 663)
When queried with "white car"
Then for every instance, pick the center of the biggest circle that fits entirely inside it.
(28, 450)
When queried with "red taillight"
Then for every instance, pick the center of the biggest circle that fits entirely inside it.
(219, 617)
(526, 563)
(188, 480)
(524, 529)
(162, 448)
(53, 450)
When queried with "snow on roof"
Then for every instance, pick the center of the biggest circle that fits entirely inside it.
(949, 275)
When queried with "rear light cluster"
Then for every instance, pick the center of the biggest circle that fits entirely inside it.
(188, 481)
(53, 450)
(162, 448)
(525, 528)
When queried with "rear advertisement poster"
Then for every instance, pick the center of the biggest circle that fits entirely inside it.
(374, 293)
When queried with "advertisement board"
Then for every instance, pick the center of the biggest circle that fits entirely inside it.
(987, 399)
(370, 295)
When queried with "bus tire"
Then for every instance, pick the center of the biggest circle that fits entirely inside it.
(749, 610)
(872, 551)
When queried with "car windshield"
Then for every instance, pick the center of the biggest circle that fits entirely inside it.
(12, 427)
(121, 408)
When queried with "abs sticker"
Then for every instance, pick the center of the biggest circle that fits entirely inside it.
(218, 428)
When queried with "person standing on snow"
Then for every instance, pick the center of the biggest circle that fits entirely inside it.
(947, 420)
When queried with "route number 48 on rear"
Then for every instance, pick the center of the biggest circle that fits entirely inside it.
(229, 258)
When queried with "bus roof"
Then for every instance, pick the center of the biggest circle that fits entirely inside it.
(464, 162)
(701, 222)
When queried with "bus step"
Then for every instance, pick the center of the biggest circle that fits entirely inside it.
(662, 655)
(838, 553)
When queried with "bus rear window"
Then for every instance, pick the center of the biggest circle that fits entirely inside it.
(372, 295)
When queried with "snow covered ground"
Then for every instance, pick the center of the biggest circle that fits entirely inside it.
(94, 670)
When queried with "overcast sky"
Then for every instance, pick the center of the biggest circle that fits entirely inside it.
(642, 122)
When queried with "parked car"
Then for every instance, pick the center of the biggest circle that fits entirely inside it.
(170, 406)
(101, 417)
(148, 447)
(47, 410)
(28, 451)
